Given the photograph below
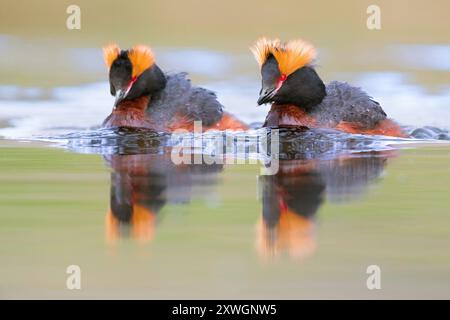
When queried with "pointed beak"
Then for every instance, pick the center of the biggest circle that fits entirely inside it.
(266, 95)
(120, 95)
(123, 93)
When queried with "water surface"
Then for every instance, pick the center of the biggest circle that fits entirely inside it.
(140, 227)
(114, 203)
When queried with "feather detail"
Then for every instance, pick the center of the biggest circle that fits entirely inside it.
(141, 58)
(262, 48)
(110, 53)
(291, 55)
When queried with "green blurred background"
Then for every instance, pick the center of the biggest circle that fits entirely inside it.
(337, 28)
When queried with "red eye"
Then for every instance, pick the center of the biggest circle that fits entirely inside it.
(132, 81)
(280, 81)
(130, 84)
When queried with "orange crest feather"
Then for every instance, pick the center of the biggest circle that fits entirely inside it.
(141, 58)
(262, 49)
(291, 55)
(110, 53)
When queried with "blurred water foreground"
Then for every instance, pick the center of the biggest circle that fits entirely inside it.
(336, 205)
(114, 203)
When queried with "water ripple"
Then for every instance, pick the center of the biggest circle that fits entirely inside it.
(293, 143)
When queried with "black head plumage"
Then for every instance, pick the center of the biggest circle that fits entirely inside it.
(133, 73)
(287, 74)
